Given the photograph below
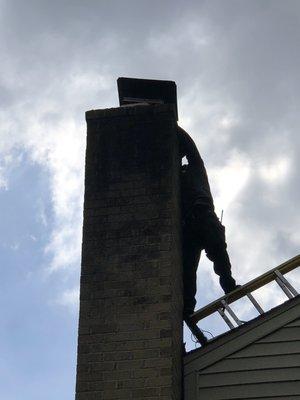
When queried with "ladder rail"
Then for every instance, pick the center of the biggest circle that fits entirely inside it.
(248, 288)
(286, 283)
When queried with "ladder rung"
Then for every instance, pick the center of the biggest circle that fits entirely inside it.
(255, 303)
(225, 318)
(284, 288)
(231, 312)
(286, 283)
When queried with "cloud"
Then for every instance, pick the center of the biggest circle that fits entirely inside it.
(70, 299)
(230, 179)
(15, 246)
(3, 181)
(236, 65)
(276, 171)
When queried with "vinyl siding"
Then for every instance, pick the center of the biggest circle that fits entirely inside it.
(267, 368)
(248, 391)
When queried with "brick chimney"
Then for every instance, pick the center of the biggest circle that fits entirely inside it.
(130, 323)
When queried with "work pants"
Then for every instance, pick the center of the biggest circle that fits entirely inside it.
(202, 230)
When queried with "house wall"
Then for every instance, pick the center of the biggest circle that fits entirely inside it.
(267, 368)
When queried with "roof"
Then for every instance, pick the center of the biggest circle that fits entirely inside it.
(242, 336)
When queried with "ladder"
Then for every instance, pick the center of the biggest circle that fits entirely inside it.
(222, 305)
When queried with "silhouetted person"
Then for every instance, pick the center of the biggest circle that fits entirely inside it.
(202, 229)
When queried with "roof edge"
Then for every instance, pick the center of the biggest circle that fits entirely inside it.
(247, 333)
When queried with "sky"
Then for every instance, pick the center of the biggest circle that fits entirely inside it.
(237, 67)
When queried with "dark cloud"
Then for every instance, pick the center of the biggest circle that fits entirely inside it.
(233, 61)
(236, 62)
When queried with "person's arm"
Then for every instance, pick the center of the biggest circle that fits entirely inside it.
(189, 149)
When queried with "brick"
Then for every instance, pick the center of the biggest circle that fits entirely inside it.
(116, 394)
(158, 362)
(116, 375)
(102, 385)
(149, 373)
(132, 383)
(118, 356)
(142, 393)
(89, 396)
(160, 381)
(89, 376)
(145, 354)
(130, 365)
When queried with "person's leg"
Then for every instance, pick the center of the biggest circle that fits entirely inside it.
(190, 260)
(216, 250)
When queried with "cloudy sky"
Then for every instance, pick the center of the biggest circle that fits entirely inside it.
(236, 64)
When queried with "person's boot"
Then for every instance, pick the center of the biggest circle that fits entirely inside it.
(187, 312)
(228, 284)
(202, 339)
(188, 307)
